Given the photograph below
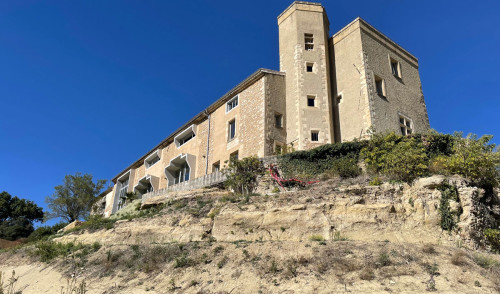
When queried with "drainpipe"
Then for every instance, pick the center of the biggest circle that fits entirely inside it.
(208, 141)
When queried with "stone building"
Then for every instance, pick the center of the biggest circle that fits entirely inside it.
(328, 89)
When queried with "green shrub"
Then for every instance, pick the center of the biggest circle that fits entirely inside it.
(346, 167)
(484, 261)
(48, 250)
(398, 157)
(493, 238)
(242, 174)
(44, 232)
(449, 219)
(319, 160)
(316, 238)
(475, 159)
(376, 181)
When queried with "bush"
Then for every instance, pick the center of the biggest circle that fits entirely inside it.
(242, 174)
(346, 167)
(44, 232)
(321, 159)
(48, 250)
(493, 238)
(398, 157)
(475, 159)
(449, 219)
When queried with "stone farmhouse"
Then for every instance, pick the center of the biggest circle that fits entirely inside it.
(328, 89)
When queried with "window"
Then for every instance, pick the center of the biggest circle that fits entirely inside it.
(231, 104)
(278, 119)
(233, 156)
(152, 159)
(216, 167)
(123, 193)
(309, 41)
(311, 101)
(231, 130)
(315, 136)
(395, 68)
(182, 174)
(405, 125)
(380, 86)
(309, 67)
(184, 136)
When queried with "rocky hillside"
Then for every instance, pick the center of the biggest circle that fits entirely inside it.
(335, 236)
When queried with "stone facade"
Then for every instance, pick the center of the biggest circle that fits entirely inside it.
(328, 89)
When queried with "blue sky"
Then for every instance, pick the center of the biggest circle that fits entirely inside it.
(90, 86)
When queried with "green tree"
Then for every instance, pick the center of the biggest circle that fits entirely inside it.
(475, 159)
(73, 199)
(17, 216)
(242, 174)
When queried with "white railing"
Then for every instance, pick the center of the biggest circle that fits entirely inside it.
(200, 182)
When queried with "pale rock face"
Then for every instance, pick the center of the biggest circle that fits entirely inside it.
(394, 212)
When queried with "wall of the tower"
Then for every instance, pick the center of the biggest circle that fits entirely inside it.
(295, 57)
(403, 90)
(352, 110)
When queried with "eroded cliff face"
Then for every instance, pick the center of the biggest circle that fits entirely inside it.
(335, 236)
(394, 212)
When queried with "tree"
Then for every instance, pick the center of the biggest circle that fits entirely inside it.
(17, 216)
(73, 199)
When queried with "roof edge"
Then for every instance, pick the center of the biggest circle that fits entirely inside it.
(368, 27)
(223, 99)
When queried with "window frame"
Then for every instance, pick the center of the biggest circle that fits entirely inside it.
(152, 157)
(408, 130)
(230, 102)
(311, 65)
(308, 41)
(278, 117)
(314, 132)
(313, 98)
(393, 62)
(231, 122)
(376, 80)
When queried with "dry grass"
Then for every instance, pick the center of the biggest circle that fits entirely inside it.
(429, 249)
(459, 258)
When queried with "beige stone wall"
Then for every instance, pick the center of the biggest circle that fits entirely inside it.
(360, 52)
(403, 96)
(353, 111)
(275, 94)
(297, 20)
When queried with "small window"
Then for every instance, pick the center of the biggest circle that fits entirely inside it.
(311, 101)
(233, 156)
(232, 104)
(185, 136)
(395, 68)
(315, 136)
(278, 119)
(380, 86)
(216, 167)
(309, 67)
(150, 161)
(231, 130)
(309, 41)
(406, 126)
(123, 193)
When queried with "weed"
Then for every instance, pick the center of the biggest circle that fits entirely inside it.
(218, 249)
(367, 274)
(477, 284)
(223, 262)
(376, 181)
(429, 249)
(283, 229)
(484, 261)
(316, 238)
(411, 202)
(383, 259)
(337, 236)
(459, 258)
(9, 287)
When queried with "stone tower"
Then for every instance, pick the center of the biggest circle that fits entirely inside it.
(304, 57)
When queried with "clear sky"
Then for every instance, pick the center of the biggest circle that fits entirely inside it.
(90, 86)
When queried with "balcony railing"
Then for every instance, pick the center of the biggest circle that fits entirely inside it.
(200, 182)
